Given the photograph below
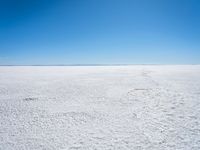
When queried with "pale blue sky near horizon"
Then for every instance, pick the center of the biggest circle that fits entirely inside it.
(53, 32)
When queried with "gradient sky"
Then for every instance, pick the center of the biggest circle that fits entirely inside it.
(45, 32)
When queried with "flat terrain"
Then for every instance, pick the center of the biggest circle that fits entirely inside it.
(100, 107)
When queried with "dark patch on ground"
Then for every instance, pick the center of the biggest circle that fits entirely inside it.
(30, 99)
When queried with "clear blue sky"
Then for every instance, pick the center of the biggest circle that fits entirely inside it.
(49, 32)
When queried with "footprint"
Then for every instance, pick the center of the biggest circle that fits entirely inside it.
(173, 107)
(141, 89)
(169, 114)
(134, 116)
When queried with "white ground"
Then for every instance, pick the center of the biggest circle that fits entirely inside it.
(110, 107)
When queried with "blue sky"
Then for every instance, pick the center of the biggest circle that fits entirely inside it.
(45, 32)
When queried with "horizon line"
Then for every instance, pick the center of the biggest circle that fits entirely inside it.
(94, 64)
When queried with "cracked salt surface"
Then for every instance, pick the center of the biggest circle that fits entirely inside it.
(100, 107)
